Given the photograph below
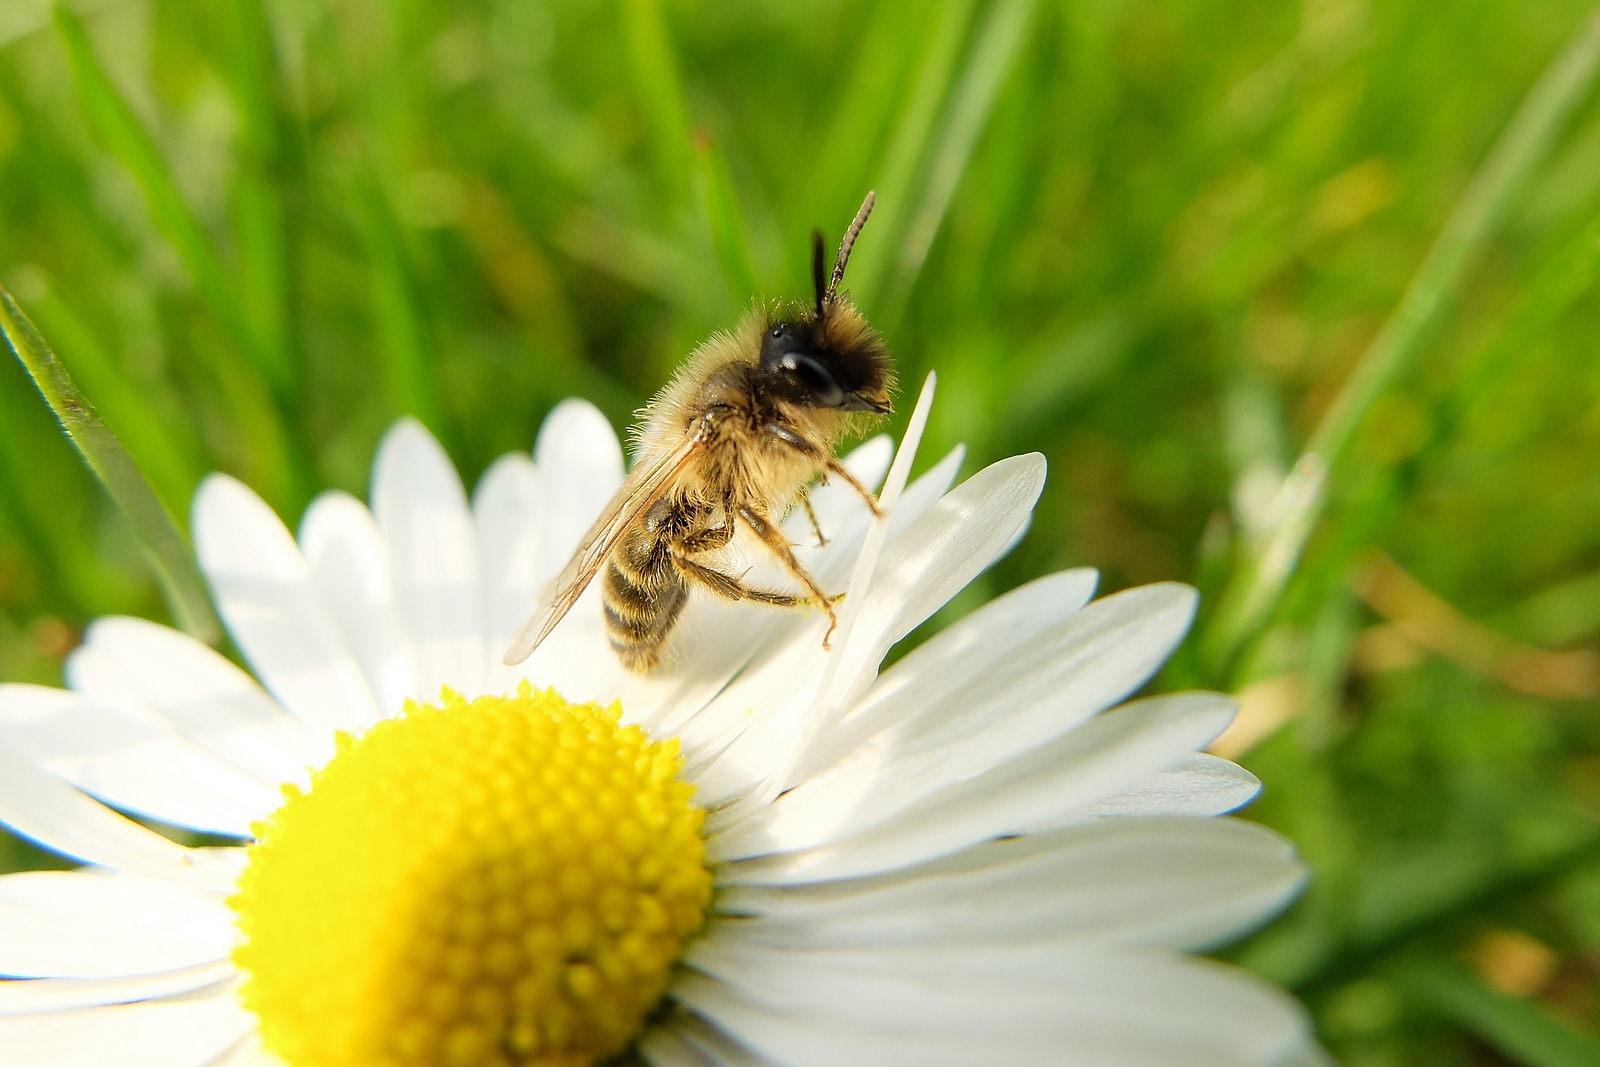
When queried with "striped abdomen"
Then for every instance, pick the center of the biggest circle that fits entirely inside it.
(643, 595)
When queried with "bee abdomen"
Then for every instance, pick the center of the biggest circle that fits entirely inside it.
(640, 608)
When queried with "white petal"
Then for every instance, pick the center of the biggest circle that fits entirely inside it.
(832, 564)
(1040, 687)
(976, 646)
(799, 1036)
(1173, 882)
(250, 1053)
(265, 594)
(205, 698)
(162, 1033)
(1106, 756)
(716, 1048)
(131, 761)
(505, 510)
(662, 1047)
(936, 557)
(422, 513)
(61, 994)
(579, 465)
(781, 686)
(580, 469)
(1045, 1005)
(350, 566)
(1201, 785)
(40, 806)
(712, 642)
(95, 924)
(962, 721)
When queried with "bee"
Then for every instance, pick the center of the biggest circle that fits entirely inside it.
(736, 439)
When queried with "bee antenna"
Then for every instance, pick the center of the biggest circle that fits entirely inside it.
(819, 259)
(848, 243)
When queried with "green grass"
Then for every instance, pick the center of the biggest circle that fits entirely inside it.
(1158, 241)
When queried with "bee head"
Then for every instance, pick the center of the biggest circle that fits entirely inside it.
(801, 361)
(830, 358)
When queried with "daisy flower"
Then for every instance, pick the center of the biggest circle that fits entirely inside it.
(762, 853)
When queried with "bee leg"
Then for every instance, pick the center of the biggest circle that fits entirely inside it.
(816, 527)
(835, 467)
(829, 463)
(730, 588)
(779, 546)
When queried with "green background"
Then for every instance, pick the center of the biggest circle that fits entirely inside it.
(1153, 239)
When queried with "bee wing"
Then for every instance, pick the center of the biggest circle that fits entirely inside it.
(642, 488)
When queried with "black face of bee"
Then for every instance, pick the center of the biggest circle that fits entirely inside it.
(799, 365)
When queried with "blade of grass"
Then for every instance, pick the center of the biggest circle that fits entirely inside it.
(42, 505)
(1569, 274)
(720, 208)
(999, 41)
(165, 452)
(162, 541)
(852, 144)
(404, 335)
(655, 78)
(116, 125)
(1259, 581)
(261, 223)
(1520, 1029)
(1557, 285)
(901, 171)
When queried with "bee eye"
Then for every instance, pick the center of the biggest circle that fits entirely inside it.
(777, 331)
(815, 377)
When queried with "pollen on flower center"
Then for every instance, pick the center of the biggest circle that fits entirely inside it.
(505, 881)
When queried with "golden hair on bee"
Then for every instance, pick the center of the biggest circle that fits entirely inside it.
(734, 441)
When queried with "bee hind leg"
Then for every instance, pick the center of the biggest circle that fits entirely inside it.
(771, 536)
(730, 588)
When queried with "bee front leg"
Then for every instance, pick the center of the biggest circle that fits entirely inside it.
(779, 546)
(835, 467)
(816, 527)
(828, 462)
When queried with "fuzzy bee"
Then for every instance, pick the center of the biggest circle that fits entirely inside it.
(749, 421)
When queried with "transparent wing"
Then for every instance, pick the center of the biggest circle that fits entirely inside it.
(642, 488)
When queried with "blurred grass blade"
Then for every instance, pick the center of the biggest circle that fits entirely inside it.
(153, 527)
(115, 123)
(1569, 274)
(251, 70)
(404, 336)
(1517, 1028)
(261, 224)
(999, 41)
(655, 77)
(1523, 145)
(840, 175)
(942, 41)
(1266, 566)
(720, 207)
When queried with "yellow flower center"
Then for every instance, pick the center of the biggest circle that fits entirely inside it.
(505, 881)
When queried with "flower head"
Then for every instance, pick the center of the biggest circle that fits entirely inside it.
(763, 852)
